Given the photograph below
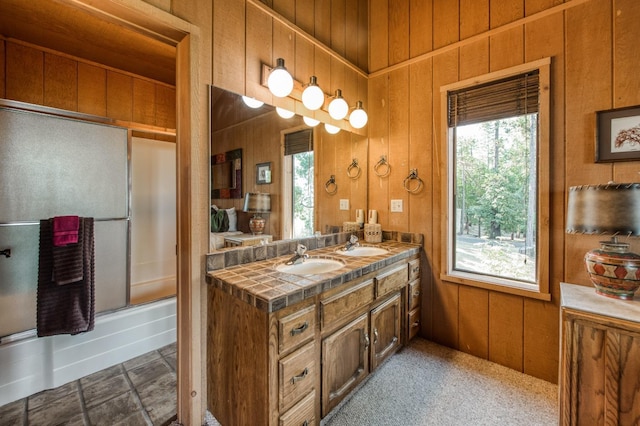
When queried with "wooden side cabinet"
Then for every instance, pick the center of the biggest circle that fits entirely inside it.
(599, 359)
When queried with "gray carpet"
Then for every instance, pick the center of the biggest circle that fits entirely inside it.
(428, 384)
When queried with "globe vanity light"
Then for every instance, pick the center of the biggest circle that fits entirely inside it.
(313, 96)
(280, 82)
(338, 107)
(358, 117)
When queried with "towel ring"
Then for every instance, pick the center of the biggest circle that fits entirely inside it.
(331, 186)
(353, 171)
(382, 163)
(407, 182)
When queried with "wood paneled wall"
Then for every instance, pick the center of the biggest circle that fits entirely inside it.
(422, 45)
(338, 24)
(287, 31)
(333, 155)
(46, 78)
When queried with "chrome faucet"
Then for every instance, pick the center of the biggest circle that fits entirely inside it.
(353, 242)
(299, 256)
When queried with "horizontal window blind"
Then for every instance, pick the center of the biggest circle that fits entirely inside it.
(504, 98)
(297, 142)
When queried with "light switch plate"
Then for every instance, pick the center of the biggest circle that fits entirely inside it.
(344, 204)
(396, 206)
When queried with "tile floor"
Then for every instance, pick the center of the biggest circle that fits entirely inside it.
(141, 391)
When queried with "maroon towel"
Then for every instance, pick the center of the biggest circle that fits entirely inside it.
(69, 308)
(65, 230)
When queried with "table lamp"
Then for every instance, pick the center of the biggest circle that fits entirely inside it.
(256, 203)
(611, 209)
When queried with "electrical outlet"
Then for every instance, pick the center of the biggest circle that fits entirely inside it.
(344, 204)
(396, 206)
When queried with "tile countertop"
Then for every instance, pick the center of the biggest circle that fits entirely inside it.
(260, 285)
(585, 299)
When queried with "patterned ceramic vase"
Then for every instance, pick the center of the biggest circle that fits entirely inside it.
(614, 271)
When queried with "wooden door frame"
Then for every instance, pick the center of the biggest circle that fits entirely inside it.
(160, 25)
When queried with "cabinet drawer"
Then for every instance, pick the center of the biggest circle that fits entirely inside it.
(391, 281)
(414, 269)
(295, 329)
(338, 306)
(303, 413)
(414, 294)
(414, 323)
(297, 374)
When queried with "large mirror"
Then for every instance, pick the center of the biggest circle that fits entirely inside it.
(316, 181)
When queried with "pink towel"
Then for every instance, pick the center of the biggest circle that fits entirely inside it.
(65, 230)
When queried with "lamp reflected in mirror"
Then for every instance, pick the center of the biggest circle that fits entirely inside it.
(311, 122)
(257, 203)
(331, 129)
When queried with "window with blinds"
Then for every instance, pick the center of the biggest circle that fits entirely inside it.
(494, 100)
(298, 197)
(298, 142)
(494, 191)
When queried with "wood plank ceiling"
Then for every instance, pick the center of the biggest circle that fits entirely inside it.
(80, 31)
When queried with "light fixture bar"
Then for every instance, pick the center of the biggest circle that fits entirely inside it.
(299, 88)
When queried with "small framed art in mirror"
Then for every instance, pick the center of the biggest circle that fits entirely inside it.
(263, 173)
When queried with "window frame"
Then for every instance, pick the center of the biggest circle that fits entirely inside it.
(287, 181)
(541, 290)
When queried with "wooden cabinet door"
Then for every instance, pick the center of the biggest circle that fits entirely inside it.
(345, 361)
(600, 372)
(385, 330)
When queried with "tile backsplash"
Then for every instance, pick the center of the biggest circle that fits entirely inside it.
(233, 256)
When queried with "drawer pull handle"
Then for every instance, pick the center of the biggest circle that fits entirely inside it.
(367, 342)
(415, 324)
(416, 294)
(300, 376)
(305, 423)
(375, 336)
(299, 330)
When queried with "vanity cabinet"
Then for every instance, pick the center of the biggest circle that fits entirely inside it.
(292, 366)
(354, 350)
(599, 359)
(357, 348)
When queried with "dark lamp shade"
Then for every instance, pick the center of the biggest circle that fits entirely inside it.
(257, 202)
(613, 208)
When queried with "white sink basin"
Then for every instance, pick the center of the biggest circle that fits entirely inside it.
(313, 265)
(363, 251)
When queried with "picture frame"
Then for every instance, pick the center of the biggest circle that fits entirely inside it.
(618, 135)
(263, 173)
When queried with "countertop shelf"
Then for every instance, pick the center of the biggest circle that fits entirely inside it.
(260, 285)
(585, 299)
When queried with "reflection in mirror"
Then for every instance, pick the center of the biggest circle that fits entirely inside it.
(260, 134)
(226, 174)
